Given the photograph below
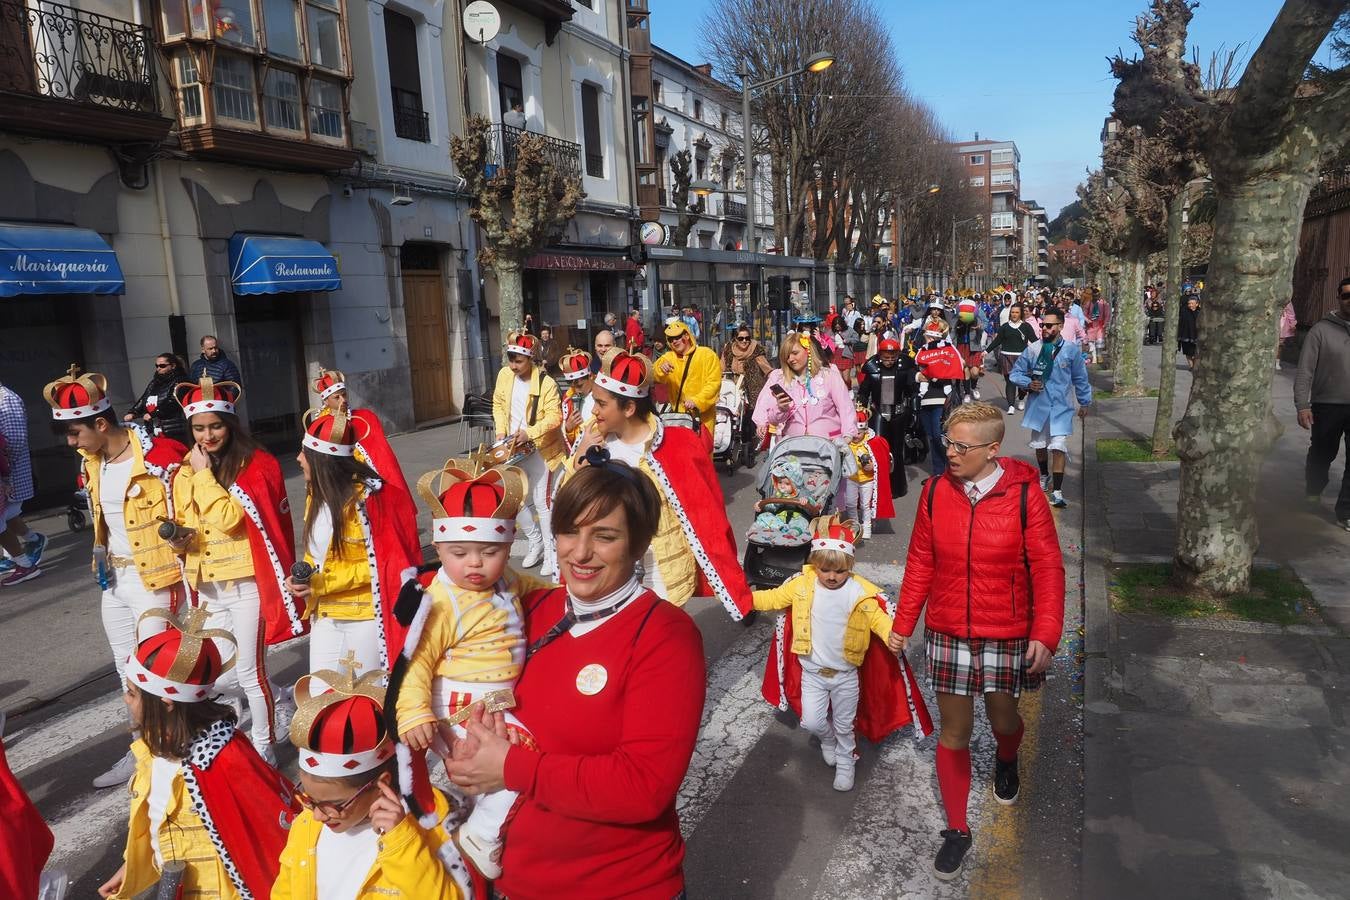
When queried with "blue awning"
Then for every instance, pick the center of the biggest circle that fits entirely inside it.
(52, 259)
(266, 264)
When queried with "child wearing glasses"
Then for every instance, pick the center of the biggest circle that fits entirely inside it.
(354, 838)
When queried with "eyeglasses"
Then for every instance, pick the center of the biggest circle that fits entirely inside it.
(962, 449)
(329, 808)
(743, 338)
(163, 365)
(1045, 325)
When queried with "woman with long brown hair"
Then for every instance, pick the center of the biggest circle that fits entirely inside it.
(238, 544)
(350, 521)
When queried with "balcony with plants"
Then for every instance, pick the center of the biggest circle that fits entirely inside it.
(79, 75)
(263, 82)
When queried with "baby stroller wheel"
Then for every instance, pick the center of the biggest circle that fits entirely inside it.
(75, 520)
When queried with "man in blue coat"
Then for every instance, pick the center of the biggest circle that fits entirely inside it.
(1051, 369)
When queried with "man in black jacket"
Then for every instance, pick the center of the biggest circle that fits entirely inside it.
(886, 384)
(215, 363)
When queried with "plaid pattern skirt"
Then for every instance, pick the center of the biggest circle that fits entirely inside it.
(979, 665)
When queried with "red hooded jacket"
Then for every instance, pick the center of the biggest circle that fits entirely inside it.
(981, 574)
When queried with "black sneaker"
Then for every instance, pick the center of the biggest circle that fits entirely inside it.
(1006, 783)
(955, 843)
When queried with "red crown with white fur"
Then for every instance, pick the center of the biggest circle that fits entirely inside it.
(183, 662)
(76, 396)
(332, 433)
(625, 374)
(338, 727)
(831, 534)
(467, 507)
(208, 396)
(329, 382)
(522, 343)
(575, 364)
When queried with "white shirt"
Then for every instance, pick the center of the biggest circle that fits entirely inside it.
(163, 774)
(587, 407)
(830, 610)
(343, 861)
(320, 535)
(112, 492)
(977, 489)
(520, 399)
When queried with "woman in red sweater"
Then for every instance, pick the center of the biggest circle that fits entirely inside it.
(613, 690)
(985, 559)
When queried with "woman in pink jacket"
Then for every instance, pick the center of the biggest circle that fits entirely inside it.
(804, 395)
(1099, 317)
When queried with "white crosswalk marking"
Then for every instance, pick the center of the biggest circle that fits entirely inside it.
(28, 747)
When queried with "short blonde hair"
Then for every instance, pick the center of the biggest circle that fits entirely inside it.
(987, 419)
(833, 560)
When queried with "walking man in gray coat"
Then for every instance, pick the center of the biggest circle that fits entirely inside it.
(1322, 398)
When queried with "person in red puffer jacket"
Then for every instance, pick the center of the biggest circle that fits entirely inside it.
(984, 558)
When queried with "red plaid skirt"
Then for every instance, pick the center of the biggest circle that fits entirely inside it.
(979, 665)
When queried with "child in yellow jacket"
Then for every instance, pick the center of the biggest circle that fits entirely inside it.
(834, 615)
(354, 837)
(470, 644)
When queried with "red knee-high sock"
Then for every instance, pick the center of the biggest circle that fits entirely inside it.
(1008, 743)
(953, 772)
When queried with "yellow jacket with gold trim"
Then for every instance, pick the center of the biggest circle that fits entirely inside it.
(149, 495)
(182, 836)
(341, 586)
(798, 592)
(543, 413)
(407, 864)
(220, 550)
(470, 636)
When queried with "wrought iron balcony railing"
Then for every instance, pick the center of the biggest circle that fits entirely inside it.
(731, 209)
(565, 155)
(70, 54)
(410, 121)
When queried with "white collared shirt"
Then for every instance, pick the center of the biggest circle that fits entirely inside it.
(977, 489)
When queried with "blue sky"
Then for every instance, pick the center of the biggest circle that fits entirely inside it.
(1030, 72)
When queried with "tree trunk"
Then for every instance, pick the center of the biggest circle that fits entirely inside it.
(1128, 367)
(1228, 426)
(510, 295)
(1167, 370)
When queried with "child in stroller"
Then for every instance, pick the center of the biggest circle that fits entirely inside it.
(797, 483)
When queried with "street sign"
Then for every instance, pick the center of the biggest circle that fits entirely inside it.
(482, 21)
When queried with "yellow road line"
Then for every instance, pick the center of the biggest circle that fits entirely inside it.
(999, 863)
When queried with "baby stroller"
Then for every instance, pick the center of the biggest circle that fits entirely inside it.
(797, 481)
(730, 446)
(78, 511)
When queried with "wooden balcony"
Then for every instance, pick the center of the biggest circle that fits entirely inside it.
(236, 145)
(72, 74)
(552, 12)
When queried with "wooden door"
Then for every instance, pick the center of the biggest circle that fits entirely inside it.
(428, 343)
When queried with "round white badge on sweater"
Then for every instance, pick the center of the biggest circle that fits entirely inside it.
(134, 490)
(591, 679)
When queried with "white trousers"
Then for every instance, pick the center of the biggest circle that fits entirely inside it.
(855, 500)
(537, 503)
(236, 607)
(332, 639)
(124, 602)
(489, 810)
(829, 706)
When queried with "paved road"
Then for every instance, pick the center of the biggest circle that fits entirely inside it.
(757, 807)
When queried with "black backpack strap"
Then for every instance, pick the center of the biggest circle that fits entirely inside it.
(679, 394)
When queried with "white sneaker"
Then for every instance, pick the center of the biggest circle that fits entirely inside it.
(268, 755)
(843, 778)
(483, 856)
(1057, 500)
(867, 530)
(966, 399)
(828, 752)
(550, 567)
(119, 774)
(1021, 404)
(533, 556)
(976, 392)
(282, 713)
(1011, 410)
(1045, 483)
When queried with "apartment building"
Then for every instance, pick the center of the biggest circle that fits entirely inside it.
(1035, 241)
(993, 168)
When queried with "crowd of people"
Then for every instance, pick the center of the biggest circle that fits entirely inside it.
(562, 704)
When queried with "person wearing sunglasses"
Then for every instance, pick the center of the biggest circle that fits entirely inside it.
(1322, 398)
(1055, 373)
(157, 406)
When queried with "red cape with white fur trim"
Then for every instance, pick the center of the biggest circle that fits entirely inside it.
(695, 495)
(25, 839)
(246, 805)
(380, 457)
(883, 504)
(393, 536)
(888, 692)
(271, 537)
